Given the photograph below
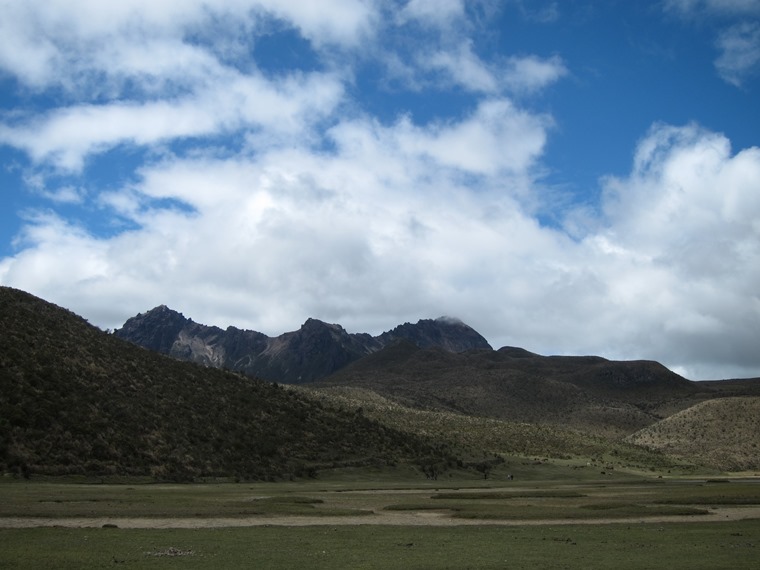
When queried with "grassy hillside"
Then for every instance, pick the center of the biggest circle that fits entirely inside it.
(77, 401)
(590, 394)
(724, 433)
(499, 436)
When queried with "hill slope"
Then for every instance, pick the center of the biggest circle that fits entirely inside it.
(75, 400)
(513, 439)
(314, 351)
(602, 397)
(723, 433)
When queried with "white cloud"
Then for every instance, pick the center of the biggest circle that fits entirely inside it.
(318, 209)
(740, 52)
(336, 21)
(65, 194)
(58, 42)
(531, 73)
(498, 138)
(441, 13)
(683, 228)
(143, 73)
(462, 67)
(738, 36)
(451, 53)
(382, 231)
(518, 75)
(375, 232)
(67, 136)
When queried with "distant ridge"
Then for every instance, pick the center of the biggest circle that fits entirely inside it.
(588, 393)
(314, 351)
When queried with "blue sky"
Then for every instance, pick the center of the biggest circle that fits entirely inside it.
(575, 177)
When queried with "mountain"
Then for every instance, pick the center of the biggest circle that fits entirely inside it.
(314, 351)
(604, 397)
(444, 365)
(447, 333)
(77, 401)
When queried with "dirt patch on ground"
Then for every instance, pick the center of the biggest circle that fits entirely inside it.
(422, 518)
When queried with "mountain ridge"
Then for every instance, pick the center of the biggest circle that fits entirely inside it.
(589, 393)
(314, 351)
(78, 401)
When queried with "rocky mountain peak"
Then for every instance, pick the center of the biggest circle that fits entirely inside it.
(316, 350)
(315, 325)
(156, 329)
(448, 333)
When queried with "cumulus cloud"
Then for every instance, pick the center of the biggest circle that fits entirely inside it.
(498, 138)
(685, 240)
(318, 209)
(384, 226)
(269, 240)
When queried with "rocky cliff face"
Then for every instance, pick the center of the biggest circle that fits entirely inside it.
(314, 351)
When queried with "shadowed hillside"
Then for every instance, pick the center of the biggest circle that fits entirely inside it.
(77, 401)
(593, 394)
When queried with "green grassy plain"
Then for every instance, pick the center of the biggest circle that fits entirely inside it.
(622, 546)
(601, 524)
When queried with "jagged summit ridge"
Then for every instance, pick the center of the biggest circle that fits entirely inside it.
(448, 333)
(314, 351)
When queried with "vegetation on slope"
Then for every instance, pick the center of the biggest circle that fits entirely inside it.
(723, 433)
(77, 401)
(466, 432)
(591, 394)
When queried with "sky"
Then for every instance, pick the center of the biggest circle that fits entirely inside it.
(570, 177)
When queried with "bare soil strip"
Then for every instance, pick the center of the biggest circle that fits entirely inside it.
(425, 518)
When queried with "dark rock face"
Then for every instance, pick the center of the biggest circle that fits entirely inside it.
(446, 333)
(314, 351)
(157, 329)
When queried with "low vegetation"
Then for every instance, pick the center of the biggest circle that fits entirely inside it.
(722, 433)
(76, 401)
(529, 524)
(518, 440)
